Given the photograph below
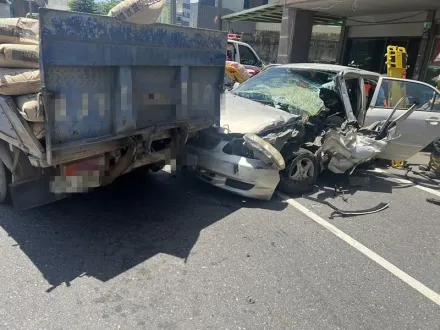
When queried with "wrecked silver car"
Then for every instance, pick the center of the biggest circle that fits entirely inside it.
(283, 127)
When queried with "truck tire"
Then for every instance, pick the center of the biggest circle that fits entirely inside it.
(300, 173)
(5, 179)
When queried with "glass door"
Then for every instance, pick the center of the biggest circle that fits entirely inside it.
(432, 76)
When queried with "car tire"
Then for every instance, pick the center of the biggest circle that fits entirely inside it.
(5, 180)
(300, 173)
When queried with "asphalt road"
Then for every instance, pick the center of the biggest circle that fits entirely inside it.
(159, 252)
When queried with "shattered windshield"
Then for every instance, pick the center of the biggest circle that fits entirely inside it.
(290, 89)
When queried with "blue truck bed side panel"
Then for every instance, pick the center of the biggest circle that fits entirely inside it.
(104, 79)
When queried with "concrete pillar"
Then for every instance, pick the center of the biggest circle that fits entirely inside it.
(340, 50)
(295, 35)
(173, 12)
(423, 55)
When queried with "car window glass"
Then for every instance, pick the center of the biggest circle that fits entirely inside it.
(354, 94)
(247, 57)
(390, 92)
(370, 87)
(289, 89)
(436, 103)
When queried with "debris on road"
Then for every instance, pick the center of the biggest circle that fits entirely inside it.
(250, 300)
(432, 183)
(434, 201)
(337, 211)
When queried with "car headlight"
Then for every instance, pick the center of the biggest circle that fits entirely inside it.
(265, 151)
(253, 147)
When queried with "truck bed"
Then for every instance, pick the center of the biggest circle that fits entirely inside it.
(103, 80)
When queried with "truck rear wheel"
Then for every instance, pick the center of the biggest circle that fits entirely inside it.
(5, 179)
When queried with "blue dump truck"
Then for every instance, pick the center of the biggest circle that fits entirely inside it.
(115, 97)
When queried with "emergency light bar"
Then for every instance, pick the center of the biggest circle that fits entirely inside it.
(234, 36)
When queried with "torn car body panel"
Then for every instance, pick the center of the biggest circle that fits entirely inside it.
(328, 137)
(241, 175)
(346, 151)
(348, 148)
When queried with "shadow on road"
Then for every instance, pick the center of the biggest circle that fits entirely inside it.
(104, 233)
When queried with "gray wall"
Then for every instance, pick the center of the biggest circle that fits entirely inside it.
(207, 19)
(5, 9)
(265, 43)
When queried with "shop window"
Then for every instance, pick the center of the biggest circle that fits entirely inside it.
(331, 54)
(321, 53)
(366, 54)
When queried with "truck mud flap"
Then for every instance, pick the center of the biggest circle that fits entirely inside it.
(33, 193)
(378, 208)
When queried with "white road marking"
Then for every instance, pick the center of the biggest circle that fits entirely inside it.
(429, 190)
(427, 292)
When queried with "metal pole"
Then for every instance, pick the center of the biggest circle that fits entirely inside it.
(219, 13)
(173, 12)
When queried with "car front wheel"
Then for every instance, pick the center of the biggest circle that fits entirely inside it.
(300, 174)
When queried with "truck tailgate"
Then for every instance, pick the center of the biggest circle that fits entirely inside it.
(103, 79)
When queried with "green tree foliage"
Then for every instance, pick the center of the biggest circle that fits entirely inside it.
(105, 6)
(83, 6)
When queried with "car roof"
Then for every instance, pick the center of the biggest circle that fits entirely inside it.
(329, 67)
(232, 41)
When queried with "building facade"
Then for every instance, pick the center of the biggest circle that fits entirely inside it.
(20, 8)
(183, 13)
(367, 31)
(194, 14)
(184, 10)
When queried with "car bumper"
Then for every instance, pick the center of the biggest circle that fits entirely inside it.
(243, 176)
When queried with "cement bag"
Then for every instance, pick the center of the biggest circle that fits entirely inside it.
(28, 107)
(19, 81)
(137, 11)
(37, 129)
(19, 56)
(19, 31)
(237, 71)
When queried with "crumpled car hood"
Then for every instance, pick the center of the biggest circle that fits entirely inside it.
(241, 115)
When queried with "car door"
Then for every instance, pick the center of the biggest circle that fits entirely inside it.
(419, 129)
(231, 52)
(247, 56)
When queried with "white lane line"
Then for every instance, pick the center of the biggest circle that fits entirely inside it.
(431, 191)
(427, 292)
